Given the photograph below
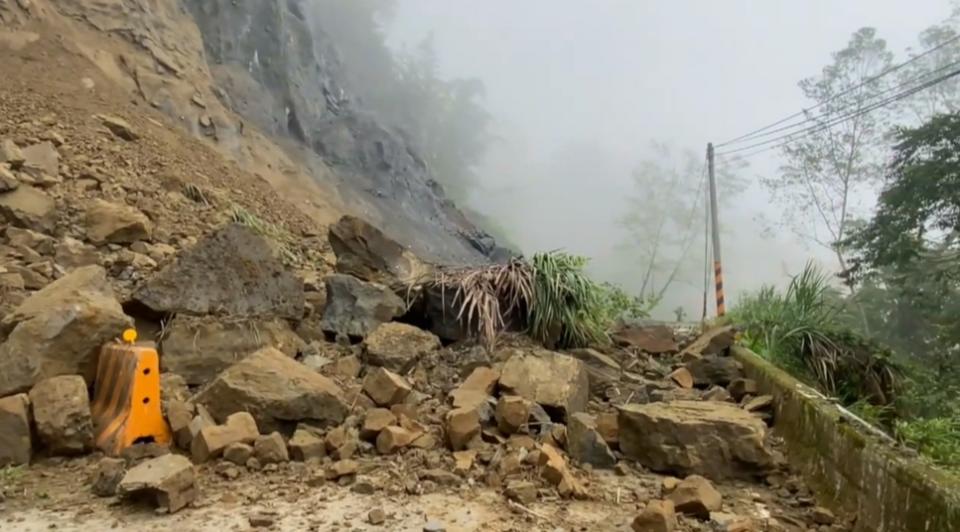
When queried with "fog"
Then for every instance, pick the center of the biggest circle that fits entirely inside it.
(578, 90)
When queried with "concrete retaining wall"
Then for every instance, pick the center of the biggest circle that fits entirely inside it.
(850, 468)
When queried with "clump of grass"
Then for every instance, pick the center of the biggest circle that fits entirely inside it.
(244, 217)
(195, 193)
(799, 330)
(551, 296)
(936, 438)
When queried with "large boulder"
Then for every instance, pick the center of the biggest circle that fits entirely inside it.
(277, 390)
(59, 330)
(200, 348)
(356, 307)
(61, 411)
(116, 223)
(398, 346)
(16, 441)
(29, 208)
(650, 338)
(716, 440)
(234, 271)
(363, 251)
(555, 381)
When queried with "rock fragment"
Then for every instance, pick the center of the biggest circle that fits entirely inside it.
(697, 497)
(512, 413)
(106, 478)
(658, 516)
(169, 478)
(462, 426)
(16, 440)
(61, 411)
(550, 379)
(585, 443)
(356, 308)
(271, 449)
(385, 387)
(398, 346)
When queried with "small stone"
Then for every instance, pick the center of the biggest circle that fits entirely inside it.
(585, 444)
(347, 367)
(434, 526)
(377, 516)
(253, 464)
(463, 425)
(763, 402)
(512, 413)
(375, 421)
(463, 461)
(171, 478)
(392, 439)
(109, 473)
(261, 521)
(271, 449)
(717, 393)
(342, 468)
(118, 127)
(11, 154)
(608, 428)
(245, 426)
(521, 491)
(238, 453)
(658, 516)
(305, 446)
(8, 181)
(668, 484)
(683, 378)
(385, 387)
(822, 516)
(697, 497)
(16, 441)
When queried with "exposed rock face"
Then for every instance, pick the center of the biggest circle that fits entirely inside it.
(286, 78)
(551, 379)
(59, 330)
(234, 271)
(356, 308)
(717, 440)
(200, 348)
(398, 346)
(276, 390)
(61, 410)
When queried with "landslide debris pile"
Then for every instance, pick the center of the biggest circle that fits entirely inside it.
(256, 382)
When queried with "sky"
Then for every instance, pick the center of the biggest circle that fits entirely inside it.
(579, 89)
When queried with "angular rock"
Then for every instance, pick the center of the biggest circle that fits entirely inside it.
(602, 370)
(356, 308)
(347, 367)
(717, 393)
(696, 496)
(760, 403)
(376, 517)
(342, 468)
(200, 348)
(32, 240)
(585, 444)
(29, 208)
(71, 253)
(8, 181)
(276, 391)
(59, 330)
(653, 339)
(718, 440)
(198, 423)
(11, 154)
(715, 370)
(212, 440)
(475, 390)
(173, 387)
(116, 223)
(61, 412)
(658, 516)
(385, 387)
(238, 453)
(16, 441)
(234, 271)
(712, 342)
(392, 439)
(521, 491)
(41, 160)
(608, 428)
(179, 414)
(376, 420)
(554, 469)
(682, 377)
(170, 478)
(512, 413)
(244, 425)
(740, 388)
(551, 379)
(109, 473)
(365, 252)
(305, 446)
(118, 127)
(342, 442)
(271, 449)
(398, 346)
(462, 426)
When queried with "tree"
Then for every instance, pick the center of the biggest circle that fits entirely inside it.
(665, 216)
(943, 97)
(827, 169)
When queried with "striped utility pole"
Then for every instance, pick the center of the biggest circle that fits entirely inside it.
(715, 226)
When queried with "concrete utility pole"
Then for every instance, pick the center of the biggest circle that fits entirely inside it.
(715, 229)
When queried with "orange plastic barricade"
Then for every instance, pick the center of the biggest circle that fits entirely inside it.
(126, 398)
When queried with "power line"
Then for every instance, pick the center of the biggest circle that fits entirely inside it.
(803, 112)
(791, 137)
(823, 116)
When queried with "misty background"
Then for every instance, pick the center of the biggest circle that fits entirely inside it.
(587, 112)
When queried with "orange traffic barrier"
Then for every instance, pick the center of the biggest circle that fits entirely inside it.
(126, 399)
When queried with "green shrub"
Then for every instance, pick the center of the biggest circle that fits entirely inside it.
(937, 438)
(568, 308)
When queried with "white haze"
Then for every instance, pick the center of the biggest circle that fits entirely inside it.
(578, 90)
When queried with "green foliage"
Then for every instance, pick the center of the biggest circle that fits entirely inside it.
(551, 296)
(10, 476)
(937, 438)
(799, 331)
(568, 307)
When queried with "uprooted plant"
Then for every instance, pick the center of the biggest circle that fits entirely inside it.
(550, 296)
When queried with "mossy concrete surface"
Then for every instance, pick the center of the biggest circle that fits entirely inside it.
(851, 469)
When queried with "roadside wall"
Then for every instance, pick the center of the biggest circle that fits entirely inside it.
(851, 469)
